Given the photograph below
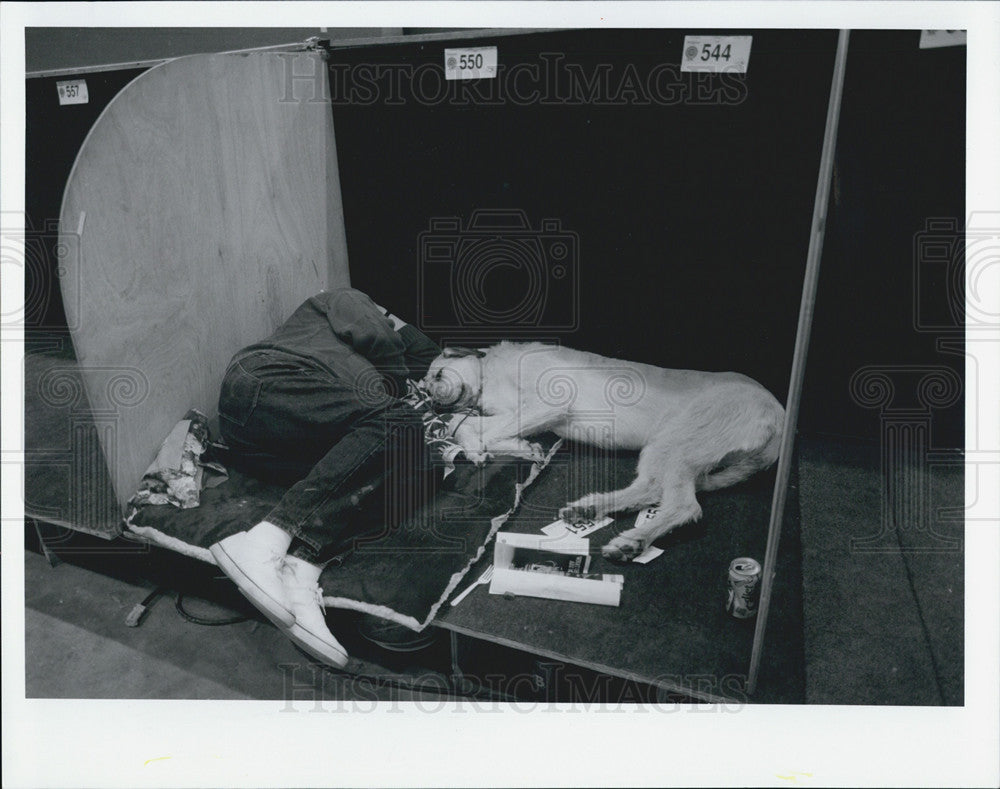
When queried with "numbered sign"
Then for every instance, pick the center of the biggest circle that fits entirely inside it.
(716, 53)
(561, 528)
(73, 91)
(470, 63)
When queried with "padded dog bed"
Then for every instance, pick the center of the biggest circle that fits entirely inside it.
(402, 572)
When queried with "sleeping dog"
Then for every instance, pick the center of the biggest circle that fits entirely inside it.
(694, 430)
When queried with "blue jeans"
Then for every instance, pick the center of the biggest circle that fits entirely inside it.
(338, 441)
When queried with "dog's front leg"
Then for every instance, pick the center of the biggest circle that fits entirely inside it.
(497, 427)
(514, 447)
(678, 506)
(533, 419)
(502, 434)
(486, 436)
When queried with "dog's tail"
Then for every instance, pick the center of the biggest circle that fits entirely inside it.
(735, 436)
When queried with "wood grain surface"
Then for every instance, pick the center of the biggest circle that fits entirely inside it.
(203, 207)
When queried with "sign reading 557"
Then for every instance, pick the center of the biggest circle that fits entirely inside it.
(73, 91)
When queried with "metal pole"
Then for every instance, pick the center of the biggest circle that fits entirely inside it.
(801, 349)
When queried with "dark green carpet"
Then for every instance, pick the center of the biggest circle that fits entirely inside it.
(671, 627)
(883, 626)
(66, 481)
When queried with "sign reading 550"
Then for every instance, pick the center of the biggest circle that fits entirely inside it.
(470, 63)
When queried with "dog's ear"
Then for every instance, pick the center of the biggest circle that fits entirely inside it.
(456, 351)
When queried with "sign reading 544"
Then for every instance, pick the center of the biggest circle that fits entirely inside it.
(716, 53)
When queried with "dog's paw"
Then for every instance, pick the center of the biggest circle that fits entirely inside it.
(622, 549)
(478, 458)
(578, 513)
(533, 452)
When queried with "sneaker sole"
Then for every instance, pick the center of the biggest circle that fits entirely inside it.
(260, 599)
(402, 646)
(315, 647)
(390, 647)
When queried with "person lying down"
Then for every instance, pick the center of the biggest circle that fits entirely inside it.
(329, 404)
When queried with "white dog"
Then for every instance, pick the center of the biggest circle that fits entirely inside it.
(694, 430)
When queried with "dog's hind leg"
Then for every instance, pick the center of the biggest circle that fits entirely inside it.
(745, 432)
(677, 507)
(722, 476)
(645, 491)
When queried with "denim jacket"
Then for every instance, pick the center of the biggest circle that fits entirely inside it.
(343, 332)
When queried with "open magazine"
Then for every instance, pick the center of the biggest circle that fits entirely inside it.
(538, 565)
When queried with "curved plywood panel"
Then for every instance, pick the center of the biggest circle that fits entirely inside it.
(203, 207)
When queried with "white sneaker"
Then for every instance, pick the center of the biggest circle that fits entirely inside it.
(305, 597)
(255, 568)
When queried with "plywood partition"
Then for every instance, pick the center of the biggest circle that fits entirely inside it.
(202, 209)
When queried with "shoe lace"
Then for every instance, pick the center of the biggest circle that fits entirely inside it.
(311, 592)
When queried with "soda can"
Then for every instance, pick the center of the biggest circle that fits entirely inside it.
(744, 578)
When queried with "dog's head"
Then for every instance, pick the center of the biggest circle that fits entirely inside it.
(455, 378)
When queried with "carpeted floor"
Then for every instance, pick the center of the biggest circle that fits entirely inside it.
(883, 627)
(883, 599)
(671, 626)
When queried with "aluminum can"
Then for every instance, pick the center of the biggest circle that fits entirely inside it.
(744, 583)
